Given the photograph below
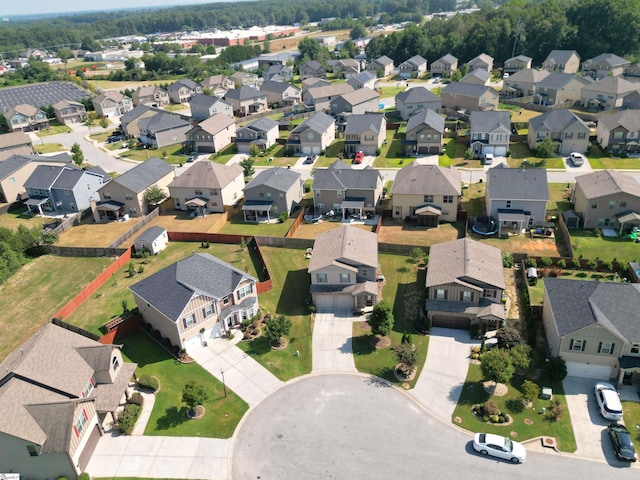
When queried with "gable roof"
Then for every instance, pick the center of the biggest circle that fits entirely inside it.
(465, 261)
(344, 245)
(277, 87)
(245, 92)
(577, 304)
(519, 58)
(480, 74)
(628, 119)
(148, 90)
(311, 81)
(447, 59)
(602, 183)
(136, 112)
(517, 184)
(426, 117)
(490, 121)
(557, 80)
(340, 176)
(207, 174)
(263, 124)
(614, 85)
(529, 75)
(162, 121)
(416, 60)
(383, 60)
(214, 124)
(23, 108)
(143, 175)
(15, 162)
(609, 59)
(359, 123)
(360, 95)
(363, 77)
(560, 57)
(111, 95)
(278, 178)
(170, 290)
(14, 139)
(468, 89)
(313, 64)
(319, 122)
(150, 234)
(333, 90)
(49, 176)
(483, 57)
(183, 82)
(557, 121)
(417, 94)
(417, 178)
(202, 100)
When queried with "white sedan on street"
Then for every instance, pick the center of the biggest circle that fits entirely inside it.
(501, 447)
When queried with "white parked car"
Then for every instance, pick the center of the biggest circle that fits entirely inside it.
(501, 447)
(577, 159)
(608, 401)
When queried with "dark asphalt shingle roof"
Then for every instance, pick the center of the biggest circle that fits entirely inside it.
(202, 100)
(162, 121)
(263, 124)
(277, 87)
(144, 175)
(426, 117)
(341, 176)
(416, 178)
(557, 80)
(556, 121)
(560, 57)
(447, 59)
(359, 123)
(468, 89)
(43, 176)
(150, 234)
(490, 121)
(517, 184)
(319, 122)
(417, 94)
(278, 178)
(245, 92)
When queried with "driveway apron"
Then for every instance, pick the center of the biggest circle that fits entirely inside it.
(332, 348)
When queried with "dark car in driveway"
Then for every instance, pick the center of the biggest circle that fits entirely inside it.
(621, 441)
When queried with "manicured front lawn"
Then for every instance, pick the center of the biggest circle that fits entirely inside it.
(170, 154)
(587, 244)
(527, 422)
(631, 420)
(168, 417)
(598, 159)
(49, 148)
(55, 128)
(393, 154)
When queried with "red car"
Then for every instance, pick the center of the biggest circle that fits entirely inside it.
(358, 158)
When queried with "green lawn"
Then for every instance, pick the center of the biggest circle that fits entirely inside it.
(49, 148)
(55, 128)
(171, 154)
(559, 195)
(632, 417)
(473, 199)
(454, 155)
(474, 393)
(391, 92)
(404, 291)
(174, 107)
(393, 154)
(288, 270)
(587, 244)
(237, 225)
(225, 155)
(331, 154)
(599, 160)
(168, 417)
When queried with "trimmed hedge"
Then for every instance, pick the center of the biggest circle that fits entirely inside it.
(148, 382)
(127, 419)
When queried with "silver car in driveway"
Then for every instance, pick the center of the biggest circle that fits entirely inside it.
(500, 447)
(577, 159)
(608, 401)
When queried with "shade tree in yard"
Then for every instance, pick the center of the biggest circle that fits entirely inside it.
(381, 319)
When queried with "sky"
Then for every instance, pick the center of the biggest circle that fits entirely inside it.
(33, 7)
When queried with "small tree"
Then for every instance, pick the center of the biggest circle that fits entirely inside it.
(276, 328)
(545, 148)
(406, 338)
(496, 365)
(520, 357)
(154, 195)
(381, 319)
(247, 167)
(556, 368)
(194, 394)
(254, 150)
(77, 155)
(407, 358)
(417, 254)
(508, 337)
(530, 391)
(104, 123)
(507, 260)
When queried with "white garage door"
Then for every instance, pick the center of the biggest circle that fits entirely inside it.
(316, 150)
(344, 303)
(193, 343)
(488, 149)
(324, 303)
(501, 151)
(334, 303)
(597, 372)
(306, 150)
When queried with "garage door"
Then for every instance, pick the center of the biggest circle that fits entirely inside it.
(193, 343)
(306, 150)
(85, 456)
(501, 151)
(445, 321)
(597, 372)
(344, 302)
(324, 303)
(489, 149)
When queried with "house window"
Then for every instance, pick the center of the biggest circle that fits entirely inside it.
(261, 194)
(508, 204)
(368, 138)
(594, 204)
(635, 348)
(207, 310)
(577, 345)
(321, 278)
(115, 364)
(128, 196)
(81, 421)
(447, 199)
(88, 388)
(582, 135)
(189, 321)
(345, 277)
(244, 291)
(364, 272)
(213, 192)
(623, 205)
(441, 294)
(198, 192)
(106, 196)
(33, 452)
(225, 300)
(133, 211)
(465, 296)
(606, 348)
(428, 199)
(612, 204)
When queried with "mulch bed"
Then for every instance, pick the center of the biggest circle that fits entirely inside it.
(200, 411)
(283, 344)
(381, 342)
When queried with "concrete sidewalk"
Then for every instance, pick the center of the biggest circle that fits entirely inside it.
(242, 374)
(332, 350)
(445, 370)
(145, 414)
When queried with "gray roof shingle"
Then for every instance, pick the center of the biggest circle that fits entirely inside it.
(319, 122)
(490, 121)
(417, 178)
(426, 117)
(556, 121)
(360, 123)
(517, 183)
(607, 182)
(144, 175)
(162, 121)
(417, 94)
(244, 92)
(278, 178)
(468, 89)
(341, 176)
(344, 245)
(207, 175)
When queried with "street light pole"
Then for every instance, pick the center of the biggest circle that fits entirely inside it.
(223, 384)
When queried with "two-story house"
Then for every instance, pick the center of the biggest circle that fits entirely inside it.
(365, 133)
(129, 120)
(607, 93)
(112, 104)
(16, 169)
(563, 61)
(15, 143)
(312, 68)
(246, 100)
(217, 84)
(466, 96)
(272, 192)
(163, 129)
(312, 82)
(619, 132)
(245, 79)
(59, 390)
(195, 299)
(365, 79)
(211, 135)
(465, 281)
(490, 133)
(346, 191)
(151, 95)
(281, 94)
(414, 67)
(604, 65)
(426, 194)
(26, 118)
(566, 130)
(319, 98)
(481, 62)
(559, 90)
(517, 63)
(425, 133)
(346, 68)
(70, 112)
(262, 133)
(343, 269)
(277, 73)
(207, 187)
(205, 106)
(477, 77)
(183, 90)
(606, 198)
(363, 100)
(516, 197)
(381, 66)
(445, 66)
(414, 99)
(522, 83)
(314, 135)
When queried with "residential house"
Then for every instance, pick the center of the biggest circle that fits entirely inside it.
(59, 390)
(426, 194)
(15, 170)
(217, 85)
(559, 90)
(365, 79)
(632, 70)
(425, 133)
(277, 73)
(516, 198)
(15, 143)
(129, 121)
(263, 133)
(61, 189)
(124, 195)
(414, 99)
(465, 282)
(245, 79)
(183, 90)
(163, 129)
(313, 135)
(26, 118)
(563, 61)
(207, 187)
(70, 112)
(607, 93)
(593, 327)
(211, 135)
(517, 63)
(365, 133)
(346, 68)
(631, 100)
(205, 106)
(466, 96)
(481, 62)
(490, 133)
(151, 95)
(196, 299)
(246, 100)
(312, 82)
(444, 66)
(566, 130)
(153, 240)
(271, 193)
(619, 133)
(312, 68)
(343, 269)
(604, 65)
(414, 67)
(320, 98)
(606, 199)
(381, 66)
(112, 104)
(346, 191)
(363, 100)
(477, 77)
(281, 94)
(522, 83)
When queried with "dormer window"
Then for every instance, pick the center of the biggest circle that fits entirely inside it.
(115, 363)
(88, 388)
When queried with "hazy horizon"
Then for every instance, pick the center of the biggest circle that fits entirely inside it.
(65, 7)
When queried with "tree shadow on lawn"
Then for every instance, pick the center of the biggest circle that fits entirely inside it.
(472, 393)
(294, 294)
(363, 345)
(172, 418)
(259, 346)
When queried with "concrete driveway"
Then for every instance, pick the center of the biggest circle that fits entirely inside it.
(332, 348)
(445, 370)
(582, 169)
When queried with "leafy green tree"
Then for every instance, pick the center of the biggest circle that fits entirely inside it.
(247, 167)
(358, 31)
(276, 328)
(521, 357)
(194, 394)
(556, 368)
(77, 155)
(496, 365)
(381, 319)
(530, 390)
(154, 195)
(545, 149)
(508, 337)
(407, 357)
